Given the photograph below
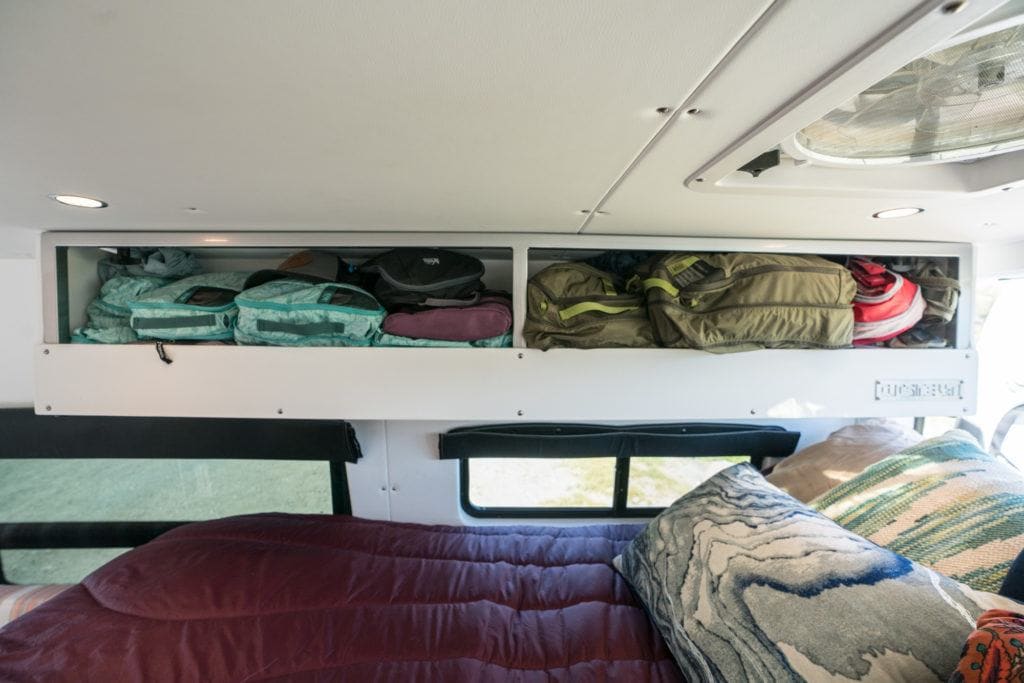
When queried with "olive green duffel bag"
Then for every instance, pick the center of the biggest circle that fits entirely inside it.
(572, 305)
(738, 302)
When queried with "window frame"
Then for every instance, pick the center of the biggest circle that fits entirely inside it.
(619, 508)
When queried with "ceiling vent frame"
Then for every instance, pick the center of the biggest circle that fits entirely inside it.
(926, 29)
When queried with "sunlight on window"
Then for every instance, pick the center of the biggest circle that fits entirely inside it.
(1013, 446)
(937, 426)
(1000, 361)
(532, 482)
(143, 490)
(658, 482)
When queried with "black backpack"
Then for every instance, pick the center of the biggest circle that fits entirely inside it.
(425, 277)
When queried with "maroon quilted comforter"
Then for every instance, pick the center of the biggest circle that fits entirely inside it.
(317, 598)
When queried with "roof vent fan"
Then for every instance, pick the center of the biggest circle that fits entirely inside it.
(960, 103)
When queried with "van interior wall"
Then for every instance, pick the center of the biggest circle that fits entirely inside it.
(21, 329)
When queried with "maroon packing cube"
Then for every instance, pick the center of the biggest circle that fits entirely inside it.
(490, 317)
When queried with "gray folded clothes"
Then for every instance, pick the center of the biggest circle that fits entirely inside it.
(166, 262)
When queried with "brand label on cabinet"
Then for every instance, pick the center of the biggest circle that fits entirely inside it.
(915, 389)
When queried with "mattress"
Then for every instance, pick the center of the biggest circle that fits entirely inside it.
(278, 597)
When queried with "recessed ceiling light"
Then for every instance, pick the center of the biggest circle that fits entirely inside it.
(75, 200)
(902, 212)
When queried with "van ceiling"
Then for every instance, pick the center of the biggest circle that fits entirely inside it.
(511, 115)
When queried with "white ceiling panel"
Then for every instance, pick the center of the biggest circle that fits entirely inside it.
(497, 115)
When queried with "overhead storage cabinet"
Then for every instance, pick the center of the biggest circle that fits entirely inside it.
(482, 383)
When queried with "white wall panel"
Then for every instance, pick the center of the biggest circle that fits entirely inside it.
(20, 330)
(424, 489)
(368, 478)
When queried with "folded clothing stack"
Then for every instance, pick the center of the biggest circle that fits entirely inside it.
(886, 304)
(487, 323)
(128, 275)
(436, 297)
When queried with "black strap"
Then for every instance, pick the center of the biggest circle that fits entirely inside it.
(162, 353)
(175, 322)
(307, 329)
(25, 435)
(589, 441)
(36, 535)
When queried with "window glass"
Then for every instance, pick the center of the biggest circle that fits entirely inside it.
(658, 482)
(937, 426)
(143, 490)
(1013, 445)
(535, 482)
(1000, 360)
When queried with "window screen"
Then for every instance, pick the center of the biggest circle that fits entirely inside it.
(578, 470)
(143, 490)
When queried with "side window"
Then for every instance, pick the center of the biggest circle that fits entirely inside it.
(77, 491)
(582, 487)
(142, 490)
(1008, 437)
(999, 328)
(656, 483)
(1001, 365)
(579, 470)
(937, 425)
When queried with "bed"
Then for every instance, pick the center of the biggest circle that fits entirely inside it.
(277, 597)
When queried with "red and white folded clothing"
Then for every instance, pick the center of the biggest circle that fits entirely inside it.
(886, 305)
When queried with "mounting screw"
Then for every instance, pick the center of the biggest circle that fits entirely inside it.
(753, 412)
(519, 355)
(280, 411)
(663, 110)
(384, 488)
(519, 413)
(46, 352)
(953, 7)
(699, 180)
(394, 488)
(49, 408)
(1007, 189)
(693, 111)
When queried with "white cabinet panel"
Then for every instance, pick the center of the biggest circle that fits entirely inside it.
(492, 384)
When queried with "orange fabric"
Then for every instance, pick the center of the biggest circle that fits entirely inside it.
(16, 600)
(994, 652)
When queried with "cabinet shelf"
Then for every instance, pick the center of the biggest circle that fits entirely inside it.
(488, 384)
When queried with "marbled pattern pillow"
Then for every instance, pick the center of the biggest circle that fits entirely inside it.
(748, 584)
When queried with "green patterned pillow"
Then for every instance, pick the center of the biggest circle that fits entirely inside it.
(945, 503)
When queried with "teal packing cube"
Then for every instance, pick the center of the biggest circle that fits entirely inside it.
(200, 307)
(109, 315)
(292, 312)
